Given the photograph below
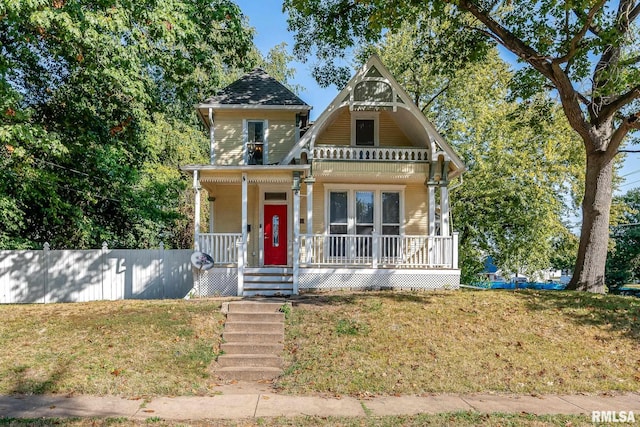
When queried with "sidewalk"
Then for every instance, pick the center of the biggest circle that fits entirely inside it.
(236, 406)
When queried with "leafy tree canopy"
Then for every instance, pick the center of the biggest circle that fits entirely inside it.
(92, 100)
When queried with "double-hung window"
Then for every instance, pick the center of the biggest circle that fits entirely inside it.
(255, 141)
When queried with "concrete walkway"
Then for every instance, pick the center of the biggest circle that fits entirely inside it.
(237, 406)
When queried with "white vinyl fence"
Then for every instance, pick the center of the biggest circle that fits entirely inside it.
(43, 276)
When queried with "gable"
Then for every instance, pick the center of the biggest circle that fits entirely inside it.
(373, 89)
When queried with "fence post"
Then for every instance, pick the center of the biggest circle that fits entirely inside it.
(45, 254)
(161, 268)
(104, 267)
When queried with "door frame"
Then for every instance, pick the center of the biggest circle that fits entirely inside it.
(263, 189)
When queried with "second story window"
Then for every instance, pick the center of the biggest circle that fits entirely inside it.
(364, 132)
(364, 129)
(255, 142)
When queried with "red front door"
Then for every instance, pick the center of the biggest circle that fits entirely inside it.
(275, 234)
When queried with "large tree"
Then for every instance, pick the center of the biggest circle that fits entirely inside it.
(587, 51)
(96, 113)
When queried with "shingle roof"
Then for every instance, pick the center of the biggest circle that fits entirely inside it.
(256, 88)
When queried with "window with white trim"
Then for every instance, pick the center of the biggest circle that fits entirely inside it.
(255, 141)
(361, 212)
(364, 129)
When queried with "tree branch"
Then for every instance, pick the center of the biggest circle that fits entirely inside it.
(440, 92)
(597, 31)
(552, 71)
(573, 45)
(631, 122)
(628, 151)
(634, 13)
(624, 99)
(509, 40)
(611, 54)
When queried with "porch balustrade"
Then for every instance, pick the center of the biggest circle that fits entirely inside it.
(379, 251)
(223, 247)
(374, 251)
(371, 154)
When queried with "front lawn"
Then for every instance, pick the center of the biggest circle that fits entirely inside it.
(463, 342)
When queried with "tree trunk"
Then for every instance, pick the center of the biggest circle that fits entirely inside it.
(588, 274)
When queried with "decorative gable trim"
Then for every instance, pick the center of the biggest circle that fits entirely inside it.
(373, 88)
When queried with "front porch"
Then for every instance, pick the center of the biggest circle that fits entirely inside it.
(326, 262)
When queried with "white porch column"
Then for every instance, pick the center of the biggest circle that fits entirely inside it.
(242, 256)
(431, 208)
(211, 200)
(296, 231)
(309, 181)
(196, 213)
(444, 210)
(212, 139)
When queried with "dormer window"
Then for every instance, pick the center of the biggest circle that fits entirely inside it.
(255, 141)
(364, 129)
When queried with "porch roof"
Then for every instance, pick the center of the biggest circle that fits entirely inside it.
(245, 168)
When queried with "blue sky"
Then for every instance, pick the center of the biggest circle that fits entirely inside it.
(270, 22)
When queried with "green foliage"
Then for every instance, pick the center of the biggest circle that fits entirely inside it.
(524, 162)
(96, 114)
(329, 29)
(623, 261)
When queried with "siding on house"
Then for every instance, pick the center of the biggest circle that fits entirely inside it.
(229, 134)
(339, 131)
(415, 210)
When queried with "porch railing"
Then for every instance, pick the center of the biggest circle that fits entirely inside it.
(223, 247)
(379, 251)
(375, 251)
(370, 154)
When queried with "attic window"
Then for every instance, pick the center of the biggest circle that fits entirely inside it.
(365, 132)
(364, 129)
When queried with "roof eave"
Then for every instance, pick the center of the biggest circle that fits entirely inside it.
(216, 106)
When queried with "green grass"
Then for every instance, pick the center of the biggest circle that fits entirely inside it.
(462, 342)
(359, 344)
(129, 348)
(457, 419)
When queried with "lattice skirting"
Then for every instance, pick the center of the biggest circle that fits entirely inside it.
(224, 281)
(332, 278)
(216, 282)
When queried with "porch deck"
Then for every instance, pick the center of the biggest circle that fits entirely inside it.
(337, 262)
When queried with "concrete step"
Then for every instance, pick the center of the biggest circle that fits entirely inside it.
(270, 278)
(248, 373)
(285, 271)
(249, 361)
(251, 348)
(253, 327)
(253, 337)
(268, 293)
(255, 307)
(255, 317)
(268, 286)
